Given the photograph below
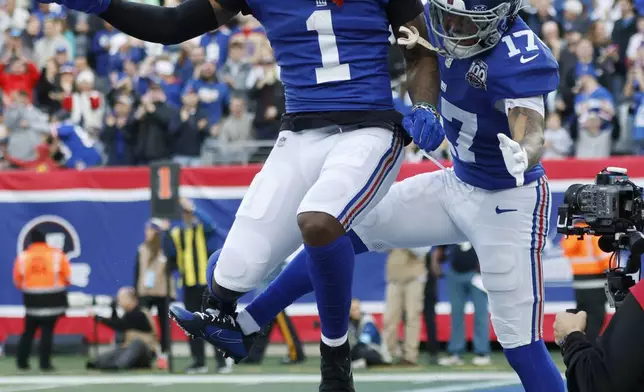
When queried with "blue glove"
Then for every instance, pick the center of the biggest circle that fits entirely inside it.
(423, 125)
(87, 6)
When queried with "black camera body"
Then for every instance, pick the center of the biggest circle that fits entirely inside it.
(612, 208)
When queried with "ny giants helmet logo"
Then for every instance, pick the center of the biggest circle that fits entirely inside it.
(477, 75)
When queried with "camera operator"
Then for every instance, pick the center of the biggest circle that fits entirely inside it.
(614, 361)
(612, 208)
(140, 344)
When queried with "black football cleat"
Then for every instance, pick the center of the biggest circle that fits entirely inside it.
(335, 367)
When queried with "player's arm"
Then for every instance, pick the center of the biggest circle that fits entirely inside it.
(170, 25)
(526, 120)
(423, 77)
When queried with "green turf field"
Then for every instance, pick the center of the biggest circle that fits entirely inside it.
(270, 377)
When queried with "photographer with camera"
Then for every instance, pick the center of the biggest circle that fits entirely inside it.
(613, 209)
(140, 343)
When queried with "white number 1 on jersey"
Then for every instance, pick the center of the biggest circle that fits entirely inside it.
(331, 70)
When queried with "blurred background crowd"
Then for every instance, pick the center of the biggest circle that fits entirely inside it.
(78, 93)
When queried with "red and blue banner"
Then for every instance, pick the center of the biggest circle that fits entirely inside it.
(98, 218)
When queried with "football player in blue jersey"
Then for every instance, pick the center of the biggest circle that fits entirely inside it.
(338, 153)
(495, 74)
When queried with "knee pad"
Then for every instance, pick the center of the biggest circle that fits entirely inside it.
(535, 367)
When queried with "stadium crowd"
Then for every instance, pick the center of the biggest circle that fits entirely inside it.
(218, 99)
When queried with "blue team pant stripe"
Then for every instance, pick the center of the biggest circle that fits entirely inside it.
(538, 234)
(362, 199)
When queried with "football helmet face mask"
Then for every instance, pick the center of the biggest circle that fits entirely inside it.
(465, 28)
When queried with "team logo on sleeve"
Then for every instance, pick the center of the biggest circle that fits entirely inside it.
(477, 75)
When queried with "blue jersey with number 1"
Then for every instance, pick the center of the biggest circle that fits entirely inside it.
(472, 103)
(331, 57)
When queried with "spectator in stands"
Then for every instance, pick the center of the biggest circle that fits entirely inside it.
(540, 13)
(623, 30)
(235, 134)
(101, 45)
(46, 87)
(635, 41)
(52, 42)
(213, 95)
(12, 16)
(188, 69)
(152, 141)
(31, 33)
(364, 338)
(42, 274)
(18, 73)
(26, 125)
(171, 85)
(63, 89)
(119, 133)
(574, 18)
(88, 104)
(48, 157)
(79, 22)
(62, 57)
(236, 70)
(595, 109)
(268, 93)
(606, 55)
(140, 344)
(634, 89)
(152, 276)
(13, 45)
(557, 139)
(188, 130)
(464, 281)
(405, 281)
(80, 149)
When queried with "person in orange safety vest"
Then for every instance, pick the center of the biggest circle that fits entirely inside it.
(589, 264)
(43, 274)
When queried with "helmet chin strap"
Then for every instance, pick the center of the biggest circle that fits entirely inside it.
(461, 52)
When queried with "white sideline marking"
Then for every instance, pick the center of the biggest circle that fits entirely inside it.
(467, 387)
(264, 379)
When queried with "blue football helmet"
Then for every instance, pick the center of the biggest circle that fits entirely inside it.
(465, 28)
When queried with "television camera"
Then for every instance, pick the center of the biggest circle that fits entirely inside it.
(612, 208)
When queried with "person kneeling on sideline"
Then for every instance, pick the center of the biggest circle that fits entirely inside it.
(614, 361)
(140, 344)
(364, 338)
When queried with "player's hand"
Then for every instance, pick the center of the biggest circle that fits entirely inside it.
(567, 323)
(515, 157)
(423, 125)
(88, 6)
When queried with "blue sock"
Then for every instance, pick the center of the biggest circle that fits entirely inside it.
(291, 284)
(331, 271)
(535, 368)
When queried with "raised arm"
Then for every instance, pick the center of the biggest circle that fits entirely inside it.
(423, 76)
(169, 25)
(526, 127)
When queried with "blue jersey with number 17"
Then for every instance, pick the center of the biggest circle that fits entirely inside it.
(332, 57)
(472, 103)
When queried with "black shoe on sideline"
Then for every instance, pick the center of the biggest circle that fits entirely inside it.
(335, 366)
